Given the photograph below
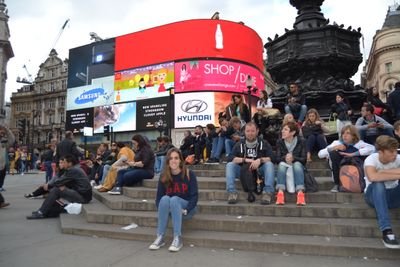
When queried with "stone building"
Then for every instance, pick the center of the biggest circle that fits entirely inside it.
(6, 53)
(39, 107)
(382, 69)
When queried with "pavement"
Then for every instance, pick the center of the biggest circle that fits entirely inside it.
(41, 243)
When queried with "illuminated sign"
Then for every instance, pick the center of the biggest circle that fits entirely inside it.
(188, 39)
(215, 75)
(142, 83)
(193, 109)
(99, 93)
(122, 117)
(151, 112)
(77, 119)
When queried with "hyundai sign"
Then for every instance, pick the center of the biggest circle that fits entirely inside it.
(193, 109)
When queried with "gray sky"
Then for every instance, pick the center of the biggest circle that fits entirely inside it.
(35, 25)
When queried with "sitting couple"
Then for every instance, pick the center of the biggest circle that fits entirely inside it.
(256, 155)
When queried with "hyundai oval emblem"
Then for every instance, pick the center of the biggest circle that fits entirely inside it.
(194, 106)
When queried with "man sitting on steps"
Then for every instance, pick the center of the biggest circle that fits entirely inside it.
(257, 155)
(382, 191)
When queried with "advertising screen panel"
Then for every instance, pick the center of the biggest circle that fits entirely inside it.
(142, 83)
(153, 113)
(193, 109)
(197, 38)
(122, 117)
(77, 119)
(99, 93)
(215, 75)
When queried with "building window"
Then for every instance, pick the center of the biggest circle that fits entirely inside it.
(63, 84)
(53, 72)
(62, 101)
(388, 67)
(62, 117)
(52, 87)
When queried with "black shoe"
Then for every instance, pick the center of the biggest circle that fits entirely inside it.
(36, 215)
(390, 241)
(251, 197)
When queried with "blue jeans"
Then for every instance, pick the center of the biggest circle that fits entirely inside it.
(106, 168)
(299, 115)
(174, 206)
(218, 145)
(129, 177)
(229, 143)
(316, 139)
(159, 164)
(266, 170)
(382, 199)
(49, 170)
(298, 173)
(370, 139)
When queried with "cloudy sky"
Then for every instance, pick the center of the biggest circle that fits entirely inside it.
(35, 25)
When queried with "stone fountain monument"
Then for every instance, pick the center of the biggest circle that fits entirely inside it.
(319, 56)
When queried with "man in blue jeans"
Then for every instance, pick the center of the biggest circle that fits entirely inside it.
(382, 191)
(259, 156)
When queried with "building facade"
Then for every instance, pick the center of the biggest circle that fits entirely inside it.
(6, 53)
(38, 108)
(382, 69)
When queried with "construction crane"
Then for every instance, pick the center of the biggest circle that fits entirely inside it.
(28, 79)
(59, 34)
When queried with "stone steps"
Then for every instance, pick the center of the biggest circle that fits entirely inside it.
(219, 183)
(243, 208)
(222, 195)
(98, 213)
(287, 244)
(326, 172)
(334, 224)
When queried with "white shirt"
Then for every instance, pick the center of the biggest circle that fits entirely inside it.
(364, 149)
(373, 161)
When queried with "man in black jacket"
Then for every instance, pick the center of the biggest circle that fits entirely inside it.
(67, 147)
(394, 101)
(73, 186)
(256, 156)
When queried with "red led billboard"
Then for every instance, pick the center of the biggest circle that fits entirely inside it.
(201, 38)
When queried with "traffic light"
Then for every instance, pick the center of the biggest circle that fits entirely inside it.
(22, 126)
(107, 131)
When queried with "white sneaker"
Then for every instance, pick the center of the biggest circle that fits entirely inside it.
(158, 243)
(92, 183)
(176, 244)
(98, 186)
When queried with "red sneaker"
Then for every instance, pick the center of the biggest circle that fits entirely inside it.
(280, 198)
(301, 201)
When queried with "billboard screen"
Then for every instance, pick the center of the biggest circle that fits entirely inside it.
(142, 83)
(90, 61)
(193, 109)
(79, 118)
(195, 38)
(122, 117)
(152, 113)
(99, 93)
(215, 75)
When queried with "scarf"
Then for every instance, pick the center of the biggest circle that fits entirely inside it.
(290, 146)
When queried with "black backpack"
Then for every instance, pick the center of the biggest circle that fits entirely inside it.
(310, 183)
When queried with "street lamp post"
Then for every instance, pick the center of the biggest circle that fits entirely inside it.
(249, 85)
